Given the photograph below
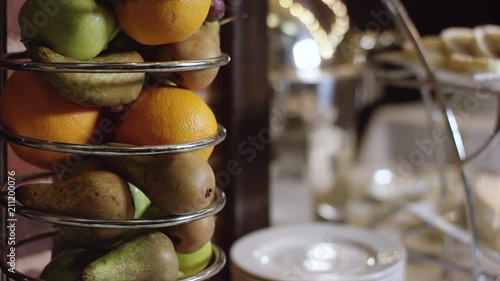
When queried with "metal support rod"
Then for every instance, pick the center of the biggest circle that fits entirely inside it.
(440, 156)
(406, 25)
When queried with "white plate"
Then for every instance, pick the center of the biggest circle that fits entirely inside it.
(320, 252)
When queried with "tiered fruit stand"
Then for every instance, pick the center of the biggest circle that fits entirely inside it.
(19, 61)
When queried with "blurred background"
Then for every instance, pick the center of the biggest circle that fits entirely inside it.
(353, 142)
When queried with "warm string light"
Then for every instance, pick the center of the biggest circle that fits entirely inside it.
(327, 43)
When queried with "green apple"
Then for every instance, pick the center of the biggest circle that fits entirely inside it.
(144, 209)
(78, 29)
(192, 263)
(152, 212)
(141, 201)
(180, 275)
(123, 41)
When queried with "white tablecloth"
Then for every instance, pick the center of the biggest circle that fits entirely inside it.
(400, 133)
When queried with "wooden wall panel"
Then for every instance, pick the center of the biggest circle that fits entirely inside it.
(241, 100)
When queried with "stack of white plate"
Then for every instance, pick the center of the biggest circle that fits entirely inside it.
(318, 252)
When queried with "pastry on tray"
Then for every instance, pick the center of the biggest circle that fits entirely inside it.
(462, 49)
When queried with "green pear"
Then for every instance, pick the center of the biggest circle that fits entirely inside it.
(79, 29)
(147, 257)
(204, 44)
(93, 89)
(193, 263)
(177, 183)
(68, 265)
(94, 194)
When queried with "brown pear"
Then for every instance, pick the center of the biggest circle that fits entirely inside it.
(191, 236)
(91, 195)
(177, 183)
(204, 44)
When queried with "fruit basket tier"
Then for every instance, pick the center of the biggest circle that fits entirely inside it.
(216, 264)
(19, 61)
(113, 149)
(216, 206)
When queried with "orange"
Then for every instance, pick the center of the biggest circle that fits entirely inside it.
(167, 115)
(30, 107)
(157, 22)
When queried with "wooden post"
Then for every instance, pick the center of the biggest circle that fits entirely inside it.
(241, 101)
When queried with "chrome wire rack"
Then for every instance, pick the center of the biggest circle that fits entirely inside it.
(20, 61)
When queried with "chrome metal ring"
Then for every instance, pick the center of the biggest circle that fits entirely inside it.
(111, 149)
(216, 206)
(20, 61)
